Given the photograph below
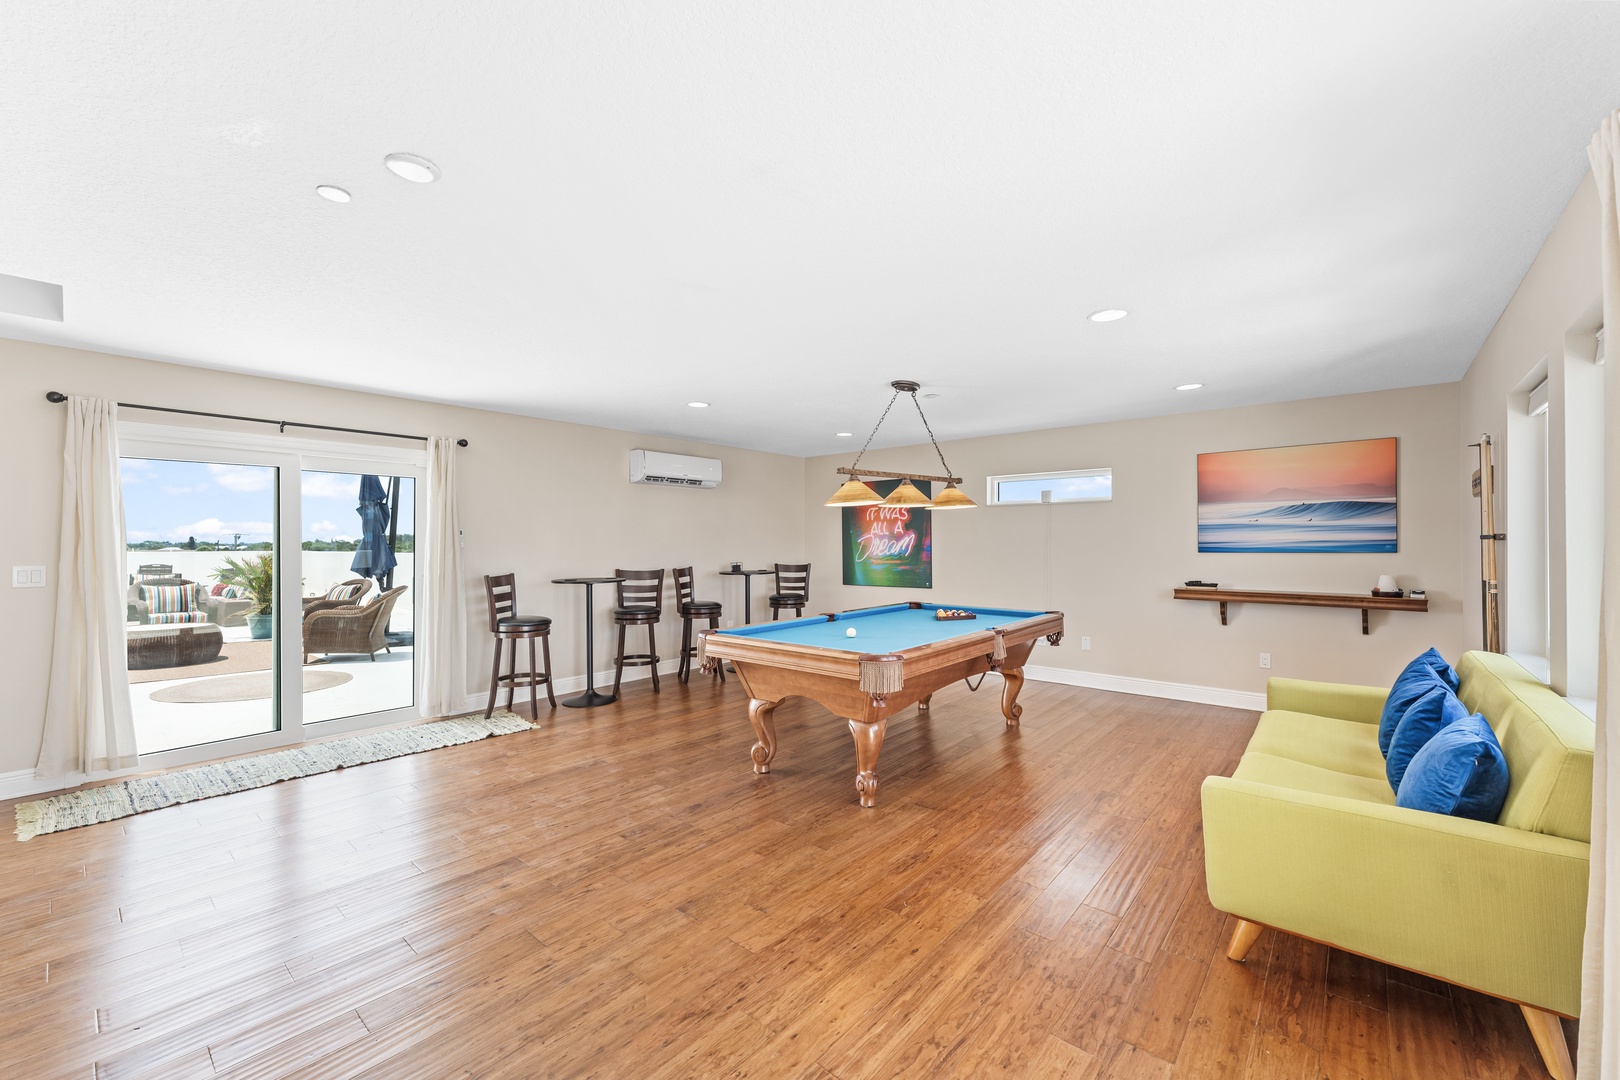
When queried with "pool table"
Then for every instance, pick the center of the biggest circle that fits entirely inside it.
(899, 655)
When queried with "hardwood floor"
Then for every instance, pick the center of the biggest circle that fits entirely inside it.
(617, 895)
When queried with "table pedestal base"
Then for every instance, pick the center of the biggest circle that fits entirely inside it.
(589, 699)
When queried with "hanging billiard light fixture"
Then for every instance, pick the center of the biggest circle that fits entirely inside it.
(856, 492)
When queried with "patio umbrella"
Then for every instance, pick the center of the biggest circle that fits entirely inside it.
(373, 557)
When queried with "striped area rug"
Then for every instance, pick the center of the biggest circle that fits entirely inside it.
(91, 805)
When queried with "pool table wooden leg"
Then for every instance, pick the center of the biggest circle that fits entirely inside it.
(1014, 682)
(922, 702)
(761, 715)
(868, 744)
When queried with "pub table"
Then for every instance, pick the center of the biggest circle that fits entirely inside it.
(590, 697)
(748, 581)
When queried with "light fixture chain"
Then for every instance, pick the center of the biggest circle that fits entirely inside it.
(930, 431)
(879, 424)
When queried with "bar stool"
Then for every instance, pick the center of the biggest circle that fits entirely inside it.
(507, 626)
(792, 589)
(641, 603)
(693, 609)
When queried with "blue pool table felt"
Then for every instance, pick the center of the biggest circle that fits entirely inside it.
(887, 629)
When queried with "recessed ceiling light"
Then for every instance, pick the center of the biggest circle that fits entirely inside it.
(335, 194)
(418, 170)
(1191, 386)
(845, 434)
(698, 404)
(930, 395)
(1108, 314)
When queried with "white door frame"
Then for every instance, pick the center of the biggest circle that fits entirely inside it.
(291, 455)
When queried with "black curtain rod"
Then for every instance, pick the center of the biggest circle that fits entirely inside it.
(56, 397)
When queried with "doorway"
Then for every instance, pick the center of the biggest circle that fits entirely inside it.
(260, 611)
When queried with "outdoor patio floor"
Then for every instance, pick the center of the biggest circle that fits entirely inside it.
(386, 683)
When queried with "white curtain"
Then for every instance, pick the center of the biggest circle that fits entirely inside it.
(441, 654)
(1599, 1050)
(88, 725)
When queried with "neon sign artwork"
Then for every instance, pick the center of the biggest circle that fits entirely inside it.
(888, 545)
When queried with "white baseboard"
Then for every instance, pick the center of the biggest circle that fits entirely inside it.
(21, 784)
(1122, 684)
(574, 684)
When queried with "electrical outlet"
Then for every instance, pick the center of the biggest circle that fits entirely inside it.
(1085, 644)
(1265, 660)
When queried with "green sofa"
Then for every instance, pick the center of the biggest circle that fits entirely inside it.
(1305, 837)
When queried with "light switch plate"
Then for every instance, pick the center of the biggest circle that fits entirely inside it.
(27, 577)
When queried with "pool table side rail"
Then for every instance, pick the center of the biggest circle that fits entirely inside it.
(766, 629)
(819, 660)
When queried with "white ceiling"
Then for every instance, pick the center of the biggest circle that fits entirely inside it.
(780, 207)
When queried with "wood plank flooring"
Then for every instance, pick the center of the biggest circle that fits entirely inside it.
(617, 895)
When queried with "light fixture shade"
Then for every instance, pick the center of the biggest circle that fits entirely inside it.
(952, 498)
(854, 493)
(907, 494)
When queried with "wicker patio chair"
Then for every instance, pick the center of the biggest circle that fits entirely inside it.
(138, 606)
(351, 629)
(343, 594)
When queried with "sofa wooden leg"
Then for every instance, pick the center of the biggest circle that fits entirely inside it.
(1243, 939)
(1549, 1036)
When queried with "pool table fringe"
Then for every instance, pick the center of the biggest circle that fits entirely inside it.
(885, 675)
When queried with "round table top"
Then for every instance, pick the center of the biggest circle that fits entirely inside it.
(748, 573)
(584, 580)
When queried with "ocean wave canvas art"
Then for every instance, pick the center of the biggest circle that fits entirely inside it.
(1333, 497)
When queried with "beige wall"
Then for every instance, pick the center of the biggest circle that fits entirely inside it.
(1546, 330)
(1112, 565)
(538, 498)
(549, 499)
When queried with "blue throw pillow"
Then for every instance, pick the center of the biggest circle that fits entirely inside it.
(1415, 680)
(1461, 771)
(1423, 719)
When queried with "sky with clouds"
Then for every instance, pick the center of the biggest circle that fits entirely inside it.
(176, 500)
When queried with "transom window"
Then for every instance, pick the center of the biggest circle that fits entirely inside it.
(1068, 485)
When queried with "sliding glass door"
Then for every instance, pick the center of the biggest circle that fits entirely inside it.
(200, 567)
(268, 589)
(358, 558)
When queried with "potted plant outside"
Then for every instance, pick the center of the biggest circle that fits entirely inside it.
(257, 578)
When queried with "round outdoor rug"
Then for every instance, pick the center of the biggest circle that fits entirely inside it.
(253, 685)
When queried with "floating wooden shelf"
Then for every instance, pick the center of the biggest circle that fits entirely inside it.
(1364, 601)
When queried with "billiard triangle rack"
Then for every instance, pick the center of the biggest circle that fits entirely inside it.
(1364, 601)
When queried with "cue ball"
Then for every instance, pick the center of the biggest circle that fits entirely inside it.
(850, 632)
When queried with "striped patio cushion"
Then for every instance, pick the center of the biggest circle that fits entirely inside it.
(345, 592)
(169, 599)
(170, 618)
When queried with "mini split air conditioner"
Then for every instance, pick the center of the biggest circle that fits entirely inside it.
(678, 470)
